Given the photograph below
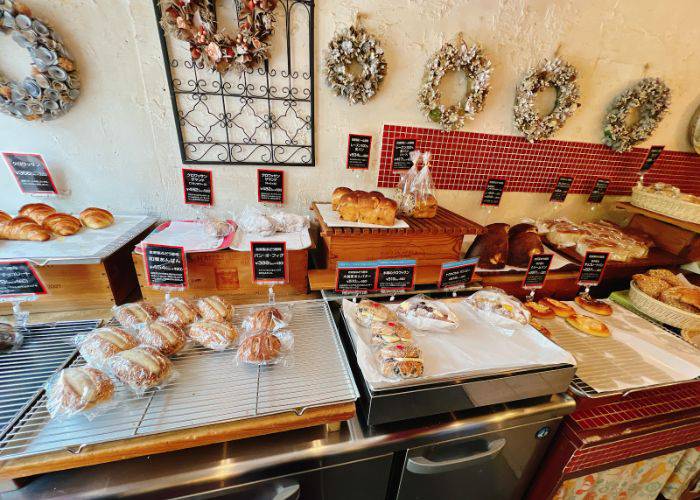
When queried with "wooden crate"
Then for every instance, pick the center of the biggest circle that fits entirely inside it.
(430, 241)
(228, 273)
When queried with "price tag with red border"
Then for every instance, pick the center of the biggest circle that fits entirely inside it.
(166, 266)
(356, 277)
(397, 274)
(18, 278)
(537, 271)
(269, 261)
(198, 186)
(359, 147)
(31, 173)
(592, 268)
(401, 157)
(456, 275)
(270, 186)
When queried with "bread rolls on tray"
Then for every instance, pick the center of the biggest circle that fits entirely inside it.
(361, 206)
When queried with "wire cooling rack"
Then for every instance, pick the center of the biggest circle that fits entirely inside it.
(210, 388)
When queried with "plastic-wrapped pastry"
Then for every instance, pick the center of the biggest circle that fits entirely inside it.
(400, 361)
(75, 390)
(267, 319)
(286, 222)
(218, 228)
(390, 333)
(132, 315)
(179, 311)
(422, 313)
(103, 343)
(369, 311)
(253, 220)
(215, 308)
(499, 302)
(10, 339)
(213, 334)
(141, 368)
(260, 348)
(168, 338)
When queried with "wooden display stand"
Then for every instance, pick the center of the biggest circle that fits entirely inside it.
(228, 273)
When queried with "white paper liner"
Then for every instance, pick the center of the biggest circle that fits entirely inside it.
(298, 240)
(193, 236)
(475, 348)
(332, 219)
(558, 261)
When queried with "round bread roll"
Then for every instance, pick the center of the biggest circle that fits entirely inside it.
(134, 314)
(103, 343)
(73, 390)
(96, 218)
(168, 338)
(141, 368)
(179, 311)
(213, 334)
(38, 212)
(265, 319)
(588, 325)
(590, 304)
(337, 195)
(62, 224)
(539, 310)
(215, 308)
(260, 348)
(560, 308)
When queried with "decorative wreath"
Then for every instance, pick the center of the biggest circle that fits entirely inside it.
(651, 97)
(194, 21)
(355, 44)
(555, 73)
(54, 85)
(455, 57)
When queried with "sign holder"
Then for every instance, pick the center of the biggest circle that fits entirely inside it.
(592, 269)
(457, 275)
(277, 278)
(19, 282)
(364, 273)
(536, 274)
(161, 283)
(649, 160)
(32, 175)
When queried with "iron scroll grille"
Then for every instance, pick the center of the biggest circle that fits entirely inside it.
(264, 116)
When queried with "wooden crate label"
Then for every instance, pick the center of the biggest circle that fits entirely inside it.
(227, 279)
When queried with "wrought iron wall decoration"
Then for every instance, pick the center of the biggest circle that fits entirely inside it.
(263, 116)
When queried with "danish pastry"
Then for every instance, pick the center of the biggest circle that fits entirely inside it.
(213, 334)
(539, 310)
(103, 343)
(179, 311)
(260, 348)
(134, 314)
(141, 368)
(588, 325)
(560, 308)
(590, 304)
(401, 360)
(168, 338)
(73, 390)
(215, 308)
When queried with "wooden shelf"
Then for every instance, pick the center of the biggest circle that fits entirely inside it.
(690, 226)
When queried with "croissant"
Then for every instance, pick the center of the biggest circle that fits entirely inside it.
(96, 218)
(62, 224)
(4, 216)
(23, 228)
(37, 212)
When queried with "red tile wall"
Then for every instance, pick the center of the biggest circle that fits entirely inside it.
(465, 161)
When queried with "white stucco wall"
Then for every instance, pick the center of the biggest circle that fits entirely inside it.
(117, 148)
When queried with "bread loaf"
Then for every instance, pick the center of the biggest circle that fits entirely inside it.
(23, 228)
(73, 390)
(425, 208)
(4, 217)
(338, 193)
(491, 246)
(37, 211)
(214, 335)
(523, 243)
(62, 224)
(368, 208)
(96, 218)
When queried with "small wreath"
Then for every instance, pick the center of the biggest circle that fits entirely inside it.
(54, 85)
(555, 73)
(475, 65)
(651, 97)
(194, 21)
(355, 44)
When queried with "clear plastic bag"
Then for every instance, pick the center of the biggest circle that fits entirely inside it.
(263, 348)
(368, 311)
(131, 316)
(400, 361)
(10, 338)
(167, 337)
(498, 302)
(79, 390)
(219, 228)
(268, 318)
(387, 333)
(102, 343)
(425, 204)
(142, 368)
(215, 308)
(214, 335)
(286, 222)
(404, 193)
(254, 220)
(179, 311)
(423, 313)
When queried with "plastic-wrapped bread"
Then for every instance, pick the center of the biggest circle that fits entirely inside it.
(369, 311)
(168, 338)
(179, 311)
(389, 333)
(213, 334)
(132, 315)
(141, 368)
(76, 390)
(401, 360)
(260, 348)
(10, 339)
(103, 343)
(268, 318)
(215, 308)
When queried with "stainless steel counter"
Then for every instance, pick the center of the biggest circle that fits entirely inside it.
(216, 468)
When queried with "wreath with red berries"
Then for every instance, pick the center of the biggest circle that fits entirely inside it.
(194, 21)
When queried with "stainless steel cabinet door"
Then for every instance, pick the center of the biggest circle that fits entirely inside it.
(497, 465)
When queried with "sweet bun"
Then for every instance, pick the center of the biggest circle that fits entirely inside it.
(682, 297)
(141, 368)
(215, 308)
(592, 305)
(588, 325)
(133, 314)
(62, 224)
(168, 338)
(213, 334)
(338, 193)
(73, 390)
(103, 343)
(560, 308)
(96, 218)
(179, 311)
(265, 319)
(260, 348)
(38, 212)
(539, 310)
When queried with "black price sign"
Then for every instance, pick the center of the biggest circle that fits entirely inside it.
(402, 154)
(359, 147)
(457, 274)
(356, 277)
(270, 186)
(592, 268)
(493, 192)
(652, 156)
(537, 271)
(561, 189)
(166, 266)
(198, 187)
(19, 278)
(269, 259)
(396, 274)
(31, 173)
(599, 189)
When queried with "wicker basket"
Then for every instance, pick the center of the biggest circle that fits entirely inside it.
(665, 205)
(663, 312)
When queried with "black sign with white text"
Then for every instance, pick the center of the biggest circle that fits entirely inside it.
(31, 173)
(457, 274)
(269, 260)
(19, 278)
(165, 266)
(402, 151)
(537, 270)
(599, 189)
(493, 192)
(561, 189)
(396, 274)
(359, 147)
(355, 277)
(198, 187)
(592, 268)
(271, 186)
(652, 156)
